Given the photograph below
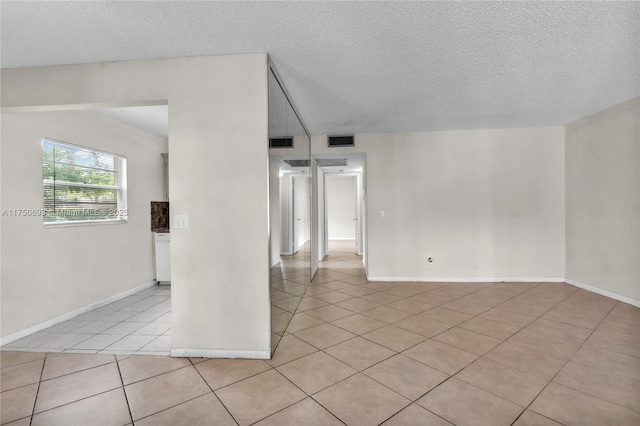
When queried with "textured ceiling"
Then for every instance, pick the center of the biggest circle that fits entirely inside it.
(354, 67)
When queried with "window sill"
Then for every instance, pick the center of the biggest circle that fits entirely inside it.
(85, 223)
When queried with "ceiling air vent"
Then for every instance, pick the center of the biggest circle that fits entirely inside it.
(281, 143)
(332, 162)
(335, 141)
(297, 163)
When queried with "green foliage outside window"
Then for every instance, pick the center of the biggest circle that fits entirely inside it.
(79, 184)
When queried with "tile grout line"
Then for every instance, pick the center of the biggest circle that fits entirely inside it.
(35, 400)
(503, 341)
(124, 391)
(297, 402)
(214, 392)
(542, 415)
(564, 365)
(437, 415)
(521, 328)
(343, 379)
(153, 376)
(20, 363)
(429, 338)
(497, 306)
(411, 316)
(347, 378)
(436, 306)
(77, 371)
(77, 400)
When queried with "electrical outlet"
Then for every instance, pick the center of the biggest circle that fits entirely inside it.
(429, 262)
(474, 264)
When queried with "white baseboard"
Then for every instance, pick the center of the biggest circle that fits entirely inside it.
(469, 279)
(342, 239)
(302, 244)
(220, 353)
(276, 263)
(616, 296)
(69, 315)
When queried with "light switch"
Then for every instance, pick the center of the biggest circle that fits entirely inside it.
(381, 213)
(182, 221)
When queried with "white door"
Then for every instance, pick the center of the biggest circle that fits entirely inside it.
(342, 207)
(301, 205)
(299, 184)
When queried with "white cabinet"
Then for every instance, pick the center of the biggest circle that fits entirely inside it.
(163, 258)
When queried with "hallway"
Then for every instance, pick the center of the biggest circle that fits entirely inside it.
(367, 353)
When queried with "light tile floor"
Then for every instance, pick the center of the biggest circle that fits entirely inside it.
(140, 323)
(365, 353)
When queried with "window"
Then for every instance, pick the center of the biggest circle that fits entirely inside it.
(81, 185)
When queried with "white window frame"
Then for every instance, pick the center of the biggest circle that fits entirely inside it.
(121, 187)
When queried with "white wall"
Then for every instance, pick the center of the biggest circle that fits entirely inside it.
(492, 196)
(48, 272)
(217, 111)
(603, 200)
(341, 207)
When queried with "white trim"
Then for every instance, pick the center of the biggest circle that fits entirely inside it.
(470, 279)
(221, 353)
(616, 296)
(359, 211)
(302, 245)
(46, 324)
(275, 263)
(607, 293)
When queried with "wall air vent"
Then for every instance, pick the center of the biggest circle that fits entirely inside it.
(297, 163)
(335, 141)
(281, 143)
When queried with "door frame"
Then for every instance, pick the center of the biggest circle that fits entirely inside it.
(358, 212)
(293, 246)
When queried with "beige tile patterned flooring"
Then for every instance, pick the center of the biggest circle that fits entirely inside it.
(365, 353)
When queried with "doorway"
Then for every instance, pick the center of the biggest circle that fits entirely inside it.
(341, 210)
(340, 204)
(300, 205)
